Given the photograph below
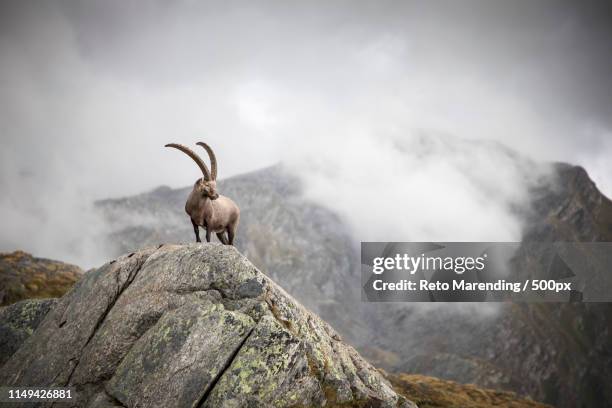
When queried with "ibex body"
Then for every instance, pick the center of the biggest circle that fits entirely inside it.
(206, 208)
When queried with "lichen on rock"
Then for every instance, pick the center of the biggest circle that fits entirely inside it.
(18, 321)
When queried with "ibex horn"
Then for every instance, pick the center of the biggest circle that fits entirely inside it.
(195, 158)
(213, 159)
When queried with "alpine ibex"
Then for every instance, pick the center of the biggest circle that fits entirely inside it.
(206, 208)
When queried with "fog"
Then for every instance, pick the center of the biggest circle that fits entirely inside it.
(394, 114)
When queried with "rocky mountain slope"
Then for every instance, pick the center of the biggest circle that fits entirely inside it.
(572, 209)
(555, 353)
(23, 276)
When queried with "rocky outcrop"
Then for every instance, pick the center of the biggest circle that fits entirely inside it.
(23, 276)
(570, 209)
(192, 325)
(18, 321)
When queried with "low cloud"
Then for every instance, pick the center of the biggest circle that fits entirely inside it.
(423, 187)
(378, 110)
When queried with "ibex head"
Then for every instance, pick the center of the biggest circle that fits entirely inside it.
(206, 186)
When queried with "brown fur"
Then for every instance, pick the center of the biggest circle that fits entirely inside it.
(218, 214)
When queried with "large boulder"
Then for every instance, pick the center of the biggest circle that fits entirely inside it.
(192, 325)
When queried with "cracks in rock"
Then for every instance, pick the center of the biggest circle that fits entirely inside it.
(121, 288)
(214, 287)
(367, 383)
(187, 291)
(276, 314)
(140, 333)
(313, 367)
(146, 322)
(114, 400)
(226, 366)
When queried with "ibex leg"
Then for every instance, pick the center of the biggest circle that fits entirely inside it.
(196, 229)
(221, 236)
(230, 234)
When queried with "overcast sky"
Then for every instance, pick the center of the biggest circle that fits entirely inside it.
(91, 91)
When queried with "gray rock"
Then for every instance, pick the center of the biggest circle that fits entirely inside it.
(18, 321)
(192, 325)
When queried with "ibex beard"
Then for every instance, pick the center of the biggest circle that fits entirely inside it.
(207, 208)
